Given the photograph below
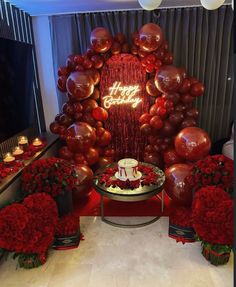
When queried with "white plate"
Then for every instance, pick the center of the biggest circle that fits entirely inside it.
(139, 175)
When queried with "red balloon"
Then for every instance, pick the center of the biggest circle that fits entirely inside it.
(84, 181)
(78, 59)
(174, 97)
(154, 158)
(150, 37)
(156, 122)
(197, 89)
(176, 118)
(100, 40)
(109, 152)
(80, 85)
(87, 64)
(63, 71)
(57, 117)
(94, 74)
(192, 143)
(61, 83)
(89, 105)
(95, 95)
(78, 116)
(70, 62)
(80, 158)
(176, 184)
(100, 131)
(134, 49)
(65, 120)
(125, 48)
(152, 89)
(146, 129)
(145, 118)
(115, 48)
(167, 129)
(120, 37)
(180, 108)
(92, 156)
(186, 98)
(171, 157)
(185, 86)
(54, 127)
(153, 109)
(80, 137)
(65, 153)
(97, 61)
(189, 122)
(168, 59)
(183, 72)
(103, 161)
(68, 109)
(100, 114)
(104, 139)
(192, 113)
(88, 118)
(77, 107)
(168, 79)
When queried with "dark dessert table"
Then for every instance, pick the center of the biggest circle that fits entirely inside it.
(130, 195)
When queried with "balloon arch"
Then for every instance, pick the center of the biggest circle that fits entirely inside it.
(113, 86)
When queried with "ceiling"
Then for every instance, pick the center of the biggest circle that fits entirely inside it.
(52, 7)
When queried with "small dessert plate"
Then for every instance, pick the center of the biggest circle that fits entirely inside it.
(139, 175)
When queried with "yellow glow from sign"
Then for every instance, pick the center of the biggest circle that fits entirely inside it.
(119, 95)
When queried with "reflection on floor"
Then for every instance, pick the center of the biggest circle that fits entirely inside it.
(114, 257)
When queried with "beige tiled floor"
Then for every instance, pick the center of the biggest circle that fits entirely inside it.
(115, 257)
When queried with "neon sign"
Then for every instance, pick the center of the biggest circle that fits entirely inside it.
(119, 95)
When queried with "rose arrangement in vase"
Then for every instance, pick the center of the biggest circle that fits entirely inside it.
(50, 175)
(213, 170)
(212, 217)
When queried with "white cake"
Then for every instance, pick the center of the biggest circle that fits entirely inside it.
(128, 169)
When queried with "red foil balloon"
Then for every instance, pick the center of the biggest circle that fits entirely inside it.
(61, 83)
(80, 137)
(94, 74)
(80, 85)
(176, 185)
(171, 157)
(152, 89)
(103, 161)
(150, 37)
(192, 143)
(84, 181)
(100, 40)
(92, 156)
(168, 79)
(100, 114)
(88, 105)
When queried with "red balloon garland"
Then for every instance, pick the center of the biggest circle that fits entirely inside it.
(81, 124)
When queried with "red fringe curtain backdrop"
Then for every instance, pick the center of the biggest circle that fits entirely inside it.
(200, 40)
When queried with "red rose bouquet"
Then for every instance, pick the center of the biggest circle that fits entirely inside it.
(213, 170)
(28, 228)
(212, 216)
(67, 225)
(51, 175)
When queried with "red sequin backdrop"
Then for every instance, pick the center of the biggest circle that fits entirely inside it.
(123, 121)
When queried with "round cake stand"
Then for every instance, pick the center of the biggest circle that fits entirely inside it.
(125, 195)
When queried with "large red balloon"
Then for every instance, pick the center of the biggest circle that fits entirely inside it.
(84, 182)
(150, 37)
(80, 85)
(192, 143)
(100, 40)
(80, 137)
(176, 184)
(168, 79)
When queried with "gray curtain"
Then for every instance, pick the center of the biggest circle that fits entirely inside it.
(201, 41)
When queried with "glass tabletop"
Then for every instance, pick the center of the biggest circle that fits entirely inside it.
(141, 190)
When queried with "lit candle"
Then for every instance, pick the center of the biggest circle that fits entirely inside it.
(17, 151)
(37, 142)
(8, 158)
(22, 140)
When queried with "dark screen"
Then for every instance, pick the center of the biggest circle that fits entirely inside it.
(17, 108)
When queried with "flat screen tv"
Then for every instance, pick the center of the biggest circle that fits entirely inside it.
(17, 105)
